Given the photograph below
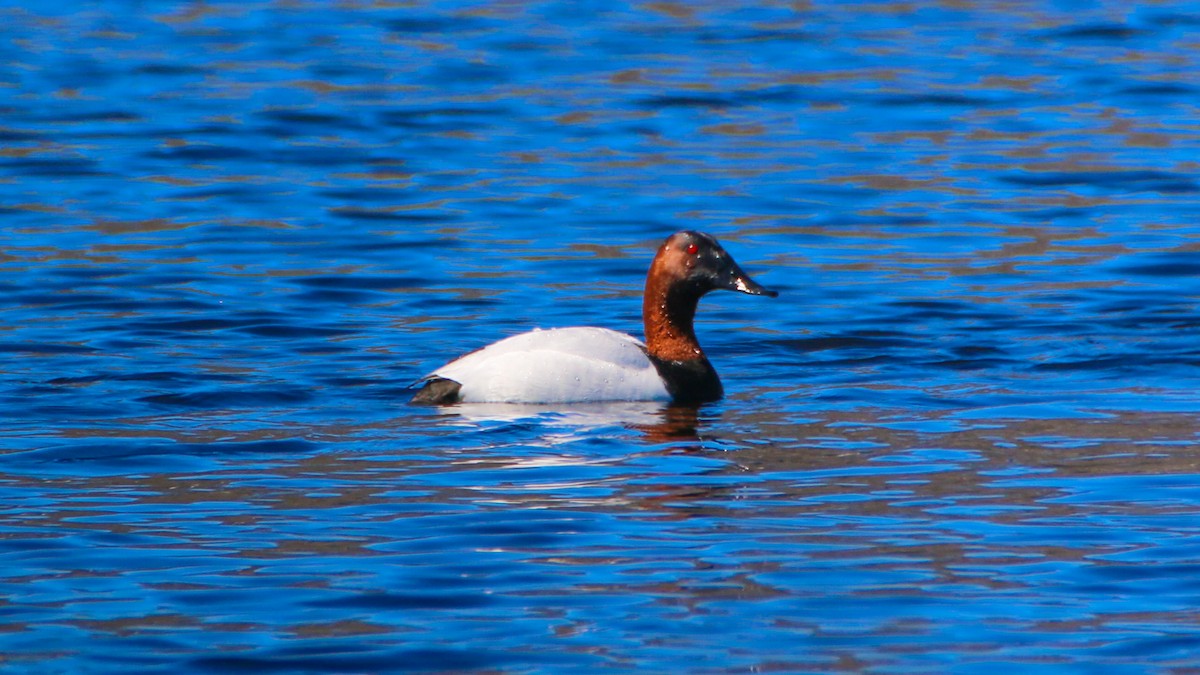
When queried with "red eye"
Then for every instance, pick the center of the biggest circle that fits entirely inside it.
(692, 249)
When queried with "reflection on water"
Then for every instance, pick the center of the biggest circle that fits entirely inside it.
(658, 421)
(234, 233)
(861, 534)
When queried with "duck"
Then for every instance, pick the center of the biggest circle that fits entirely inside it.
(592, 364)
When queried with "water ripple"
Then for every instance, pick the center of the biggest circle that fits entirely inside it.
(235, 234)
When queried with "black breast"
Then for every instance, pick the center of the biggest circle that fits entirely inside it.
(691, 381)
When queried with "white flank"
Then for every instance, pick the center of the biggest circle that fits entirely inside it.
(558, 366)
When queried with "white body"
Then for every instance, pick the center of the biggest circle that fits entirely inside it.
(558, 366)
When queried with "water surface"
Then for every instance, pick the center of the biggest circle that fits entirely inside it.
(964, 435)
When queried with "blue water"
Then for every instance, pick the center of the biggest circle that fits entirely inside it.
(965, 435)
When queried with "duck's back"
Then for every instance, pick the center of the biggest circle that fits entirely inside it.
(557, 366)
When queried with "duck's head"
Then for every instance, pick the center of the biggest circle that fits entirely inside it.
(694, 263)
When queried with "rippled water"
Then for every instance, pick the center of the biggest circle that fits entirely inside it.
(964, 436)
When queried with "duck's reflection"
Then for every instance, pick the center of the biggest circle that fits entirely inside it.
(659, 422)
(582, 455)
(675, 423)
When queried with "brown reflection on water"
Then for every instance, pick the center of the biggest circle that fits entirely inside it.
(855, 488)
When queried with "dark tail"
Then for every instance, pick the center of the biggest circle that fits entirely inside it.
(437, 391)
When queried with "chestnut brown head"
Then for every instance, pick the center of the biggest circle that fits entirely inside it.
(694, 263)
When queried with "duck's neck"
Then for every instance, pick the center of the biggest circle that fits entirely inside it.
(671, 343)
(668, 313)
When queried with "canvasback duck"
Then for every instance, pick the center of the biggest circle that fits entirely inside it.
(597, 364)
